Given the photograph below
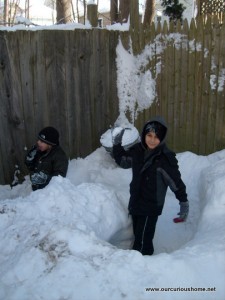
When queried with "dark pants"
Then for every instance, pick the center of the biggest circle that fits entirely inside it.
(144, 230)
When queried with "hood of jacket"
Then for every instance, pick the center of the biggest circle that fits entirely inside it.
(158, 119)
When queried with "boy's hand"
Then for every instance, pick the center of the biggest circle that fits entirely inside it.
(39, 178)
(117, 139)
(183, 214)
(31, 154)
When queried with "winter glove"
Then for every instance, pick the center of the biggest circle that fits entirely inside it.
(31, 155)
(117, 139)
(183, 214)
(39, 178)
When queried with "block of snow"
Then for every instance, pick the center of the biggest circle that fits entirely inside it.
(130, 137)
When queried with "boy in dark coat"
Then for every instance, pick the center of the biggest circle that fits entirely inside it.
(154, 168)
(46, 159)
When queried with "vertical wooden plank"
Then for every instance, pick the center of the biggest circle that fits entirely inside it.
(140, 118)
(41, 107)
(218, 136)
(76, 117)
(190, 146)
(162, 77)
(150, 42)
(73, 98)
(155, 32)
(84, 90)
(134, 25)
(134, 14)
(203, 98)
(99, 84)
(68, 141)
(198, 83)
(112, 91)
(177, 87)
(211, 122)
(27, 74)
(183, 88)
(141, 37)
(169, 68)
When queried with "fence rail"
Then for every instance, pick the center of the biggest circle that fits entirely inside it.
(68, 79)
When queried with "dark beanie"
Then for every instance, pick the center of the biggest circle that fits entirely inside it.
(49, 135)
(157, 128)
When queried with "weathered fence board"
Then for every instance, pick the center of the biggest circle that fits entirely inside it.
(183, 88)
(219, 120)
(213, 96)
(68, 79)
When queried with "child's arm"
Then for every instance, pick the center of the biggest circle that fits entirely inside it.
(122, 157)
(30, 158)
(177, 185)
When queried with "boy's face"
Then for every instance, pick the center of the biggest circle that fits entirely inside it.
(151, 140)
(43, 146)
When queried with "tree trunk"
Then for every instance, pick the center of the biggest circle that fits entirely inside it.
(73, 12)
(85, 6)
(124, 10)
(6, 12)
(78, 15)
(114, 11)
(27, 9)
(149, 12)
(63, 8)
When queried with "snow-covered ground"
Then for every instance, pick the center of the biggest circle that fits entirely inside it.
(72, 239)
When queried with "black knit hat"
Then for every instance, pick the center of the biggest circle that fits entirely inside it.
(157, 128)
(49, 135)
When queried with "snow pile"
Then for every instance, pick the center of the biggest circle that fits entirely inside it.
(71, 240)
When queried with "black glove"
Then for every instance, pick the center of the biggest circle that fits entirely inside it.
(183, 214)
(31, 155)
(117, 139)
(39, 178)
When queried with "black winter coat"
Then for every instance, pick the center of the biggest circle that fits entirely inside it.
(52, 163)
(153, 171)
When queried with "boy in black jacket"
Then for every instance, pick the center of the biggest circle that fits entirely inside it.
(46, 159)
(154, 168)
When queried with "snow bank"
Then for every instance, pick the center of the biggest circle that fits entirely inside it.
(71, 240)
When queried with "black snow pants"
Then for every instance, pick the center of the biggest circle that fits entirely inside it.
(144, 230)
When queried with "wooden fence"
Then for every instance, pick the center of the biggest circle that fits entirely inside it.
(65, 79)
(68, 79)
(191, 85)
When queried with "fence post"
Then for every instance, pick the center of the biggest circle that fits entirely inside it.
(92, 11)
